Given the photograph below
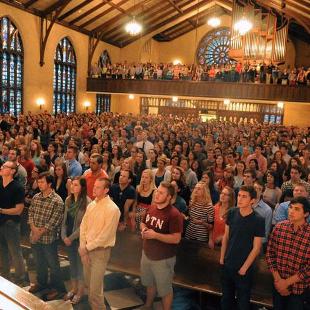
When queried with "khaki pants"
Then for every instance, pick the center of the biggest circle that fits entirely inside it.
(93, 274)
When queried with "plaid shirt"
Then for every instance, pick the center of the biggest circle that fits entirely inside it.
(288, 253)
(47, 212)
(289, 185)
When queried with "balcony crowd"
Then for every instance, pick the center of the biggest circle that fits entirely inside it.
(247, 73)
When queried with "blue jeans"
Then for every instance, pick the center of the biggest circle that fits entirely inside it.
(235, 284)
(76, 268)
(46, 256)
(10, 248)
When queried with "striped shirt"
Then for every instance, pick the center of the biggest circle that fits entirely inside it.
(203, 212)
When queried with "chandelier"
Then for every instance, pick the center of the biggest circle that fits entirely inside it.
(243, 26)
(133, 28)
(214, 22)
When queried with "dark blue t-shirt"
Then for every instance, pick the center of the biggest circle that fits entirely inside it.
(120, 197)
(242, 230)
(10, 196)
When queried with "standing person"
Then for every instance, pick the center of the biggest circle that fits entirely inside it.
(45, 216)
(201, 214)
(161, 232)
(11, 207)
(74, 168)
(288, 257)
(75, 207)
(226, 202)
(95, 172)
(97, 237)
(124, 195)
(241, 244)
(145, 191)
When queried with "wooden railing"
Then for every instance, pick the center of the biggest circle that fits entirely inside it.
(250, 91)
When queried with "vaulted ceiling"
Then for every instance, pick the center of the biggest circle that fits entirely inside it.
(165, 19)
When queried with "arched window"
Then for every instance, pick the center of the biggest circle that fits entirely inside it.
(11, 68)
(214, 47)
(64, 77)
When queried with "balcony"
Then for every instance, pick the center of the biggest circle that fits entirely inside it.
(249, 91)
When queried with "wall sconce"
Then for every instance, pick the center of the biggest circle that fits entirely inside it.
(177, 62)
(226, 101)
(280, 105)
(40, 102)
(131, 96)
(86, 105)
(175, 98)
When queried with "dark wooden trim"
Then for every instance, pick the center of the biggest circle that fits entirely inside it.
(153, 27)
(46, 28)
(30, 3)
(90, 11)
(73, 10)
(121, 35)
(117, 17)
(147, 16)
(249, 91)
(55, 7)
(91, 20)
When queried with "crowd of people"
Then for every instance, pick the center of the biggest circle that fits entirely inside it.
(237, 72)
(81, 178)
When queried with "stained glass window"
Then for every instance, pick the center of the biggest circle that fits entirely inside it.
(103, 103)
(64, 78)
(11, 68)
(214, 47)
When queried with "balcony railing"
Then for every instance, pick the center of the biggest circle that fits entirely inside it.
(250, 91)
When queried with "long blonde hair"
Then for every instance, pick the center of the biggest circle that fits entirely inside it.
(206, 193)
(152, 182)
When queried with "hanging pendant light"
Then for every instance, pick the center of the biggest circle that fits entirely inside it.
(133, 28)
(214, 22)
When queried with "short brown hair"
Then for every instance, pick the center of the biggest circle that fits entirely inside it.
(169, 187)
(107, 182)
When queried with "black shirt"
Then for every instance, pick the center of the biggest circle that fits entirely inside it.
(242, 230)
(120, 197)
(10, 196)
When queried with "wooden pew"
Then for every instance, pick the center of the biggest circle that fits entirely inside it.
(197, 267)
(13, 297)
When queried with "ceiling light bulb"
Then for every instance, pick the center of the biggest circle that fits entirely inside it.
(243, 26)
(133, 27)
(214, 22)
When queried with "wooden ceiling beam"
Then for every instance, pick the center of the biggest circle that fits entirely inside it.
(29, 3)
(117, 17)
(90, 11)
(153, 19)
(55, 6)
(95, 18)
(154, 26)
(120, 31)
(180, 11)
(75, 9)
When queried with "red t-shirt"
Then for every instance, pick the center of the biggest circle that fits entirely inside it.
(164, 221)
(219, 223)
